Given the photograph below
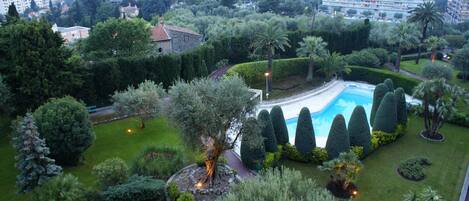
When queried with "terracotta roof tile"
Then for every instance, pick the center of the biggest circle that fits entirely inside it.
(159, 34)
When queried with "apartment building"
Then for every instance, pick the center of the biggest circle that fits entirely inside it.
(457, 11)
(21, 5)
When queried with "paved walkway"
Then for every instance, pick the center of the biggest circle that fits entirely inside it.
(404, 72)
(235, 162)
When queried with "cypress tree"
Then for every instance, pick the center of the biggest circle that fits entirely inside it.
(386, 116)
(338, 140)
(252, 145)
(267, 131)
(279, 124)
(305, 141)
(359, 130)
(203, 69)
(378, 95)
(12, 14)
(31, 159)
(187, 67)
(401, 106)
(390, 84)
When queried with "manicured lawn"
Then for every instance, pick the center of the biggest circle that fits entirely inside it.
(379, 179)
(290, 86)
(112, 140)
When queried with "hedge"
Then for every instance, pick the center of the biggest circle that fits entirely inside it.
(386, 115)
(305, 139)
(390, 84)
(252, 150)
(279, 124)
(338, 140)
(359, 130)
(378, 94)
(267, 131)
(137, 188)
(376, 76)
(401, 106)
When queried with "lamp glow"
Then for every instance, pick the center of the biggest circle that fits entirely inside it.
(354, 193)
(266, 74)
(129, 130)
(199, 185)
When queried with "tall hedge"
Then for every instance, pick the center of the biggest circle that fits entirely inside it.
(267, 131)
(305, 140)
(401, 105)
(378, 95)
(386, 115)
(279, 124)
(338, 140)
(187, 66)
(390, 84)
(252, 145)
(359, 130)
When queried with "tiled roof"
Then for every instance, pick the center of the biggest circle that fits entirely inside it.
(180, 29)
(162, 32)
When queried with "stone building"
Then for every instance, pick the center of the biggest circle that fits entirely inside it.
(72, 34)
(173, 39)
(127, 12)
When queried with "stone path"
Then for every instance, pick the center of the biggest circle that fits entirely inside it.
(235, 162)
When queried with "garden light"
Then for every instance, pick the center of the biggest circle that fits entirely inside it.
(354, 193)
(199, 185)
(129, 130)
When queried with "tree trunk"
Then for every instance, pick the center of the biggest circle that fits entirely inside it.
(269, 69)
(398, 59)
(422, 39)
(211, 163)
(142, 123)
(309, 77)
(433, 55)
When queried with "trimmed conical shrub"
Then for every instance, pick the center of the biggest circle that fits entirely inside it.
(279, 124)
(305, 140)
(252, 145)
(378, 95)
(338, 140)
(401, 105)
(390, 84)
(359, 130)
(267, 131)
(386, 116)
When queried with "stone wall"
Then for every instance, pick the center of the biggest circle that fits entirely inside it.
(182, 42)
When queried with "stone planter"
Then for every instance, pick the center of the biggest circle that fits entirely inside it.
(430, 139)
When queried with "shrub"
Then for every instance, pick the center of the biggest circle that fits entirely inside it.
(412, 169)
(158, 162)
(137, 188)
(111, 172)
(386, 115)
(375, 141)
(436, 71)
(319, 155)
(381, 53)
(378, 95)
(279, 124)
(363, 58)
(305, 140)
(427, 194)
(338, 140)
(252, 145)
(62, 187)
(187, 66)
(186, 197)
(267, 131)
(343, 171)
(173, 191)
(272, 159)
(65, 125)
(292, 153)
(358, 150)
(401, 105)
(384, 138)
(390, 84)
(359, 130)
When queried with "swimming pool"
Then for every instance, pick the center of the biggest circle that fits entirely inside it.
(343, 104)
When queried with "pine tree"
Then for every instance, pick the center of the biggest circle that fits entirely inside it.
(280, 126)
(378, 95)
(338, 140)
(252, 145)
(390, 84)
(359, 130)
(305, 141)
(401, 106)
(32, 161)
(12, 15)
(267, 130)
(386, 116)
(33, 5)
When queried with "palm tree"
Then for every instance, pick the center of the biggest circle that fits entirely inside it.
(271, 39)
(405, 37)
(425, 14)
(333, 64)
(313, 48)
(434, 43)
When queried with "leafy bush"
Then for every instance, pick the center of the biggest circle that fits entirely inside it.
(378, 95)
(338, 140)
(401, 106)
(457, 118)
(158, 162)
(358, 150)
(305, 140)
(292, 153)
(383, 137)
(374, 142)
(173, 191)
(137, 188)
(319, 155)
(436, 71)
(272, 159)
(386, 115)
(363, 58)
(381, 53)
(252, 145)
(111, 172)
(65, 125)
(412, 169)
(267, 131)
(410, 57)
(186, 197)
(343, 170)
(359, 130)
(279, 124)
(62, 187)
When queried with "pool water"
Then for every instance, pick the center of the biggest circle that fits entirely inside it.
(343, 104)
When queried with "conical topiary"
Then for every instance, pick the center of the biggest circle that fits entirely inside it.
(338, 140)
(390, 84)
(359, 130)
(378, 95)
(279, 124)
(305, 140)
(252, 145)
(401, 105)
(386, 116)
(267, 131)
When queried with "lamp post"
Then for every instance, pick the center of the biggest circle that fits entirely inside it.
(266, 85)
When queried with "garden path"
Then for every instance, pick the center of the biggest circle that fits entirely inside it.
(235, 162)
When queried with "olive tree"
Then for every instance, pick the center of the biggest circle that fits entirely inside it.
(210, 114)
(143, 102)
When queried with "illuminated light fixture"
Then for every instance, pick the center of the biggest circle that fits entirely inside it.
(199, 185)
(129, 130)
(354, 193)
(266, 74)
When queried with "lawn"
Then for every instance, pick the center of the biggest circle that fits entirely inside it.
(112, 140)
(379, 179)
(290, 86)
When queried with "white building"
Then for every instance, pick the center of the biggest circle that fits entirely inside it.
(72, 34)
(21, 5)
(373, 9)
(457, 11)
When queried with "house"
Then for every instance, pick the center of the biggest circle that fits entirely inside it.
(128, 11)
(71, 34)
(173, 39)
